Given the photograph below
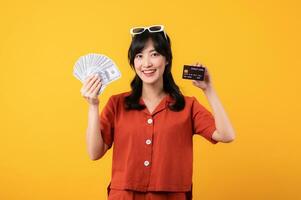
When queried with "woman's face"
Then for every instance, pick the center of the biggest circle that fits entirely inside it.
(149, 64)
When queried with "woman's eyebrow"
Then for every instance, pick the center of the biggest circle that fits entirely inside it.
(150, 51)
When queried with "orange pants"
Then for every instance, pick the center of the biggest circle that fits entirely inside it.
(134, 195)
(114, 194)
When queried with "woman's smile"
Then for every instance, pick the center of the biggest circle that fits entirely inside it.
(149, 72)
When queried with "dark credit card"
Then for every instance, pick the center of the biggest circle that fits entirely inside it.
(193, 72)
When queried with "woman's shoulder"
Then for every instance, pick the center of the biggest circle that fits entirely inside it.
(191, 101)
(119, 96)
(189, 98)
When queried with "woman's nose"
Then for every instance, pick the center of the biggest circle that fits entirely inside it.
(146, 62)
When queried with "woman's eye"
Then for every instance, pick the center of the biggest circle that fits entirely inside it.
(155, 54)
(138, 56)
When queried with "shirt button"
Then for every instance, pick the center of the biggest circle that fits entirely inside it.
(149, 121)
(148, 141)
(146, 163)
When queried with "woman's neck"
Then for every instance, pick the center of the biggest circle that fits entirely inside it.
(154, 91)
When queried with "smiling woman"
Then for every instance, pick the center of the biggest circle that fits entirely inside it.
(150, 56)
(152, 126)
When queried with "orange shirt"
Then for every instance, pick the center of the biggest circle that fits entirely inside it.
(153, 151)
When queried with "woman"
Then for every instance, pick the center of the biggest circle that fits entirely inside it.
(152, 125)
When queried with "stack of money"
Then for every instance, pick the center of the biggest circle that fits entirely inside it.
(93, 63)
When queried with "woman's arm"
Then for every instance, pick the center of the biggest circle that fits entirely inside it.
(224, 132)
(95, 144)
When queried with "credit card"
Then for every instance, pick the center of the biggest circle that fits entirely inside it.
(193, 72)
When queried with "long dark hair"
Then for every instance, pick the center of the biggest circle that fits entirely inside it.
(162, 46)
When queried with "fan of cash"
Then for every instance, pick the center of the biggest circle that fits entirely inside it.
(93, 63)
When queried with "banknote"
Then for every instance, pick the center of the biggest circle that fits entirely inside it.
(96, 64)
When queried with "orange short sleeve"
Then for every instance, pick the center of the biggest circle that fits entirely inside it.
(107, 122)
(203, 121)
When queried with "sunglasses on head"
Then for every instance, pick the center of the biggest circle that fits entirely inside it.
(152, 29)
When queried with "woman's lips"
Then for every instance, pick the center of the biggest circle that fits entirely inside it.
(149, 73)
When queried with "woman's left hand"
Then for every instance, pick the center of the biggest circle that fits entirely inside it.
(206, 83)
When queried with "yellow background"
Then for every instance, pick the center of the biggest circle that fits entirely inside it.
(252, 49)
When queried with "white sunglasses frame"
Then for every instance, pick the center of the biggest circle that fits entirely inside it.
(147, 28)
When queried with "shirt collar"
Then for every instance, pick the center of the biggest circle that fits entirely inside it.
(161, 106)
(167, 99)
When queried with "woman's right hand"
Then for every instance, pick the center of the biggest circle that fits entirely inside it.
(90, 89)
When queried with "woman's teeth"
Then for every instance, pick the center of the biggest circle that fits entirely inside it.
(149, 71)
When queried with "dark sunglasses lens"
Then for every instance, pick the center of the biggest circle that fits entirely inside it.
(138, 30)
(155, 28)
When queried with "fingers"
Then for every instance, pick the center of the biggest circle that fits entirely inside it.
(206, 69)
(95, 85)
(200, 65)
(197, 64)
(89, 78)
(91, 81)
(90, 84)
(95, 92)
